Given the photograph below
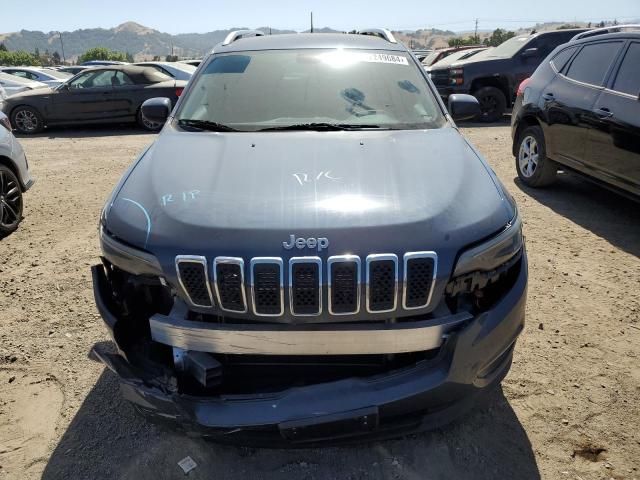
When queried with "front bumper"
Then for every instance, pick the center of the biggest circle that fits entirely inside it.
(425, 395)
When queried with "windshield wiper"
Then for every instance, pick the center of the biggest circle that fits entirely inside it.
(320, 127)
(205, 125)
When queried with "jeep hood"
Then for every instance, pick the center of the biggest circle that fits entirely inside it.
(243, 194)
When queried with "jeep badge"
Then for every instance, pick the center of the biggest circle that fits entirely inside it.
(320, 243)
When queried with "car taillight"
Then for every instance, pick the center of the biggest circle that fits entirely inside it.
(522, 86)
(4, 121)
(179, 91)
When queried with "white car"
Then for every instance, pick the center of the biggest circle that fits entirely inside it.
(177, 70)
(15, 178)
(12, 84)
(49, 76)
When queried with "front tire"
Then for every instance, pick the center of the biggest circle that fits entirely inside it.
(493, 104)
(10, 202)
(27, 120)
(533, 166)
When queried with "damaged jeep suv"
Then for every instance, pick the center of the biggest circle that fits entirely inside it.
(310, 250)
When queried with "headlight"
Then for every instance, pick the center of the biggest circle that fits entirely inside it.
(129, 259)
(490, 255)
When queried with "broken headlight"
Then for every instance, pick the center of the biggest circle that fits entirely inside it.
(487, 262)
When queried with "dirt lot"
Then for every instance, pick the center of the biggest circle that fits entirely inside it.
(568, 409)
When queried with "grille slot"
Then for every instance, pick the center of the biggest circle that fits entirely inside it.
(228, 274)
(305, 280)
(382, 282)
(266, 286)
(193, 277)
(344, 284)
(419, 278)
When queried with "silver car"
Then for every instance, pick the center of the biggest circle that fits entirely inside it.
(12, 84)
(177, 70)
(15, 178)
(49, 76)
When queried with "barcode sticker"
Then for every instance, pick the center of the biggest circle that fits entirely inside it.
(341, 58)
(384, 58)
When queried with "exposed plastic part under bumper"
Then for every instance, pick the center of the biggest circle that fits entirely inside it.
(423, 396)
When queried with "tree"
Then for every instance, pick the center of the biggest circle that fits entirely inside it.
(459, 42)
(129, 57)
(3, 48)
(498, 36)
(55, 58)
(171, 58)
(101, 53)
(18, 58)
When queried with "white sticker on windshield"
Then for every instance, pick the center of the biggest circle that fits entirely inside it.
(384, 58)
(340, 58)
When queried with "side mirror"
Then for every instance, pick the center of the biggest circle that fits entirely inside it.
(463, 107)
(64, 87)
(529, 52)
(156, 110)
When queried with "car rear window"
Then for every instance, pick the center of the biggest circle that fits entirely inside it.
(561, 58)
(592, 62)
(628, 78)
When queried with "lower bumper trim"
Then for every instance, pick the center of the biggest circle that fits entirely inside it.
(354, 339)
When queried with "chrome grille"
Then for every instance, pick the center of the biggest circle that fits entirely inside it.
(228, 278)
(305, 283)
(382, 283)
(305, 280)
(194, 280)
(419, 277)
(267, 286)
(344, 284)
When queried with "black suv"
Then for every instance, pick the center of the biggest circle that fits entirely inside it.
(310, 249)
(493, 76)
(581, 111)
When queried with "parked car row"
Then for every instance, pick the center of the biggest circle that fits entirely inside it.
(34, 97)
(98, 95)
(493, 76)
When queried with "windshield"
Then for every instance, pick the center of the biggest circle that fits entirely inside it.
(509, 48)
(275, 89)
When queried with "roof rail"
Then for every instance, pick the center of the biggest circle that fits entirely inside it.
(238, 34)
(379, 32)
(605, 30)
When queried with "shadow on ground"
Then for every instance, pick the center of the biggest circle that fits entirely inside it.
(605, 213)
(106, 439)
(504, 121)
(115, 130)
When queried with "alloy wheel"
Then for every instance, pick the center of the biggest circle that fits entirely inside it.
(26, 121)
(528, 156)
(10, 201)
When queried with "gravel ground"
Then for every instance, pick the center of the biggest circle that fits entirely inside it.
(568, 409)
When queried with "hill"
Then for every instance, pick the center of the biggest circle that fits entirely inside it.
(142, 42)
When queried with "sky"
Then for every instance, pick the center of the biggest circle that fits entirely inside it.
(188, 16)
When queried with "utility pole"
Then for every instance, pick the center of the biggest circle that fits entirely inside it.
(64, 60)
(311, 22)
(475, 35)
